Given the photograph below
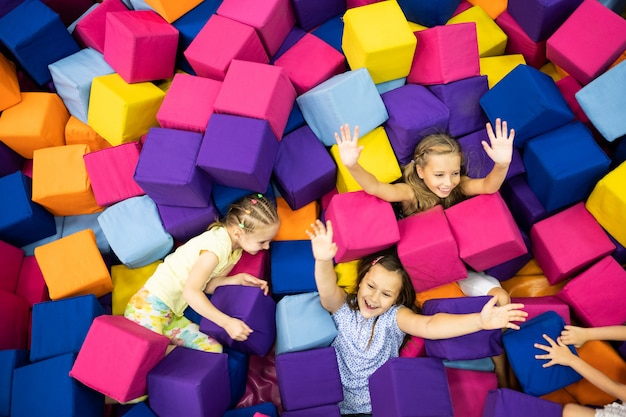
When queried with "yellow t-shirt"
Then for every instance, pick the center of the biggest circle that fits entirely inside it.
(169, 279)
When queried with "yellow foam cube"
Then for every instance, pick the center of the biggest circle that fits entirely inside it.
(346, 274)
(491, 39)
(377, 158)
(607, 203)
(553, 71)
(9, 85)
(121, 112)
(126, 282)
(378, 37)
(497, 67)
(172, 10)
(294, 223)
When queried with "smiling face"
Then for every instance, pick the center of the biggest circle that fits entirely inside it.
(378, 291)
(258, 239)
(441, 173)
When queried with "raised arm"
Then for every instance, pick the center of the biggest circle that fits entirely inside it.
(577, 336)
(443, 325)
(332, 296)
(500, 150)
(349, 152)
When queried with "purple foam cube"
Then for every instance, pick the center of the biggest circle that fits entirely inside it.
(477, 162)
(183, 223)
(311, 14)
(522, 202)
(505, 402)
(10, 161)
(540, 18)
(329, 410)
(508, 269)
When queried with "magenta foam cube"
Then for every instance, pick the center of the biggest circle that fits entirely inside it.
(348, 212)
(272, 19)
(117, 356)
(261, 91)
(188, 103)
(595, 294)
(14, 331)
(221, 40)
(31, 285)
(485, 231)
(257, 265)
(588, 42)
(567, 242)
(518, 41)
(310, 62)
(428, 250)
(140, 45)
(11, 258)
(538, 305)
(90, 29)
(568, 86)
(445, 53)
(468, 390)
(111, 172)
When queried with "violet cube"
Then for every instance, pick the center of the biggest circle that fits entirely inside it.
(540, 18)
(523, 202)
(328, 410)
(10, 161)
(505, 402)
(477, 163)
(310, 15)
(508, 269)
(183, 223)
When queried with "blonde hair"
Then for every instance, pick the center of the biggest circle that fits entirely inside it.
(435, 144)
(249, 213)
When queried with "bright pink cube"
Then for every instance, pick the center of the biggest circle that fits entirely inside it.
(31, 285)
(468, 390)
(535, 306)
(256, 265)
(11, 258)
(15, 327)
(89, 30)
(220, 41)
(485, 231)
(568, 86)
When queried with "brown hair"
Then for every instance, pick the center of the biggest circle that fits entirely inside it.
(249, 213)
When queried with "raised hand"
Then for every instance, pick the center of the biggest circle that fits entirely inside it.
(324, 249)
(493, 317)
(348, 146)
(500, 146)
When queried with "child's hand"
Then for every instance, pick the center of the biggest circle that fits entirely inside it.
(252, 281)
(324, 249)
(349, 149)
(501, 149)
(558, 352)
(573, 335)
(493, 317)
(237, 329)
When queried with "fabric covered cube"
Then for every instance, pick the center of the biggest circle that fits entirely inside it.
(121, 112)
(184, 184)
(518, 41)
(111, 172)
(523, 202)
(297, 372)
(536, 306)
(11, 258)
(426, 13)
(183, 223)
(303, 170)
(461, 97)
(221, 40)
(295, 34)
(140, 45)
(559, 182)
(520, 350)
(272, 19)
(378, 37)
(396, 391)
(257, 265)
(10, 161)
(73, 224)
(190, 382)
(331, 32)
(10, 359)
(485, 231)
(594, 294)
(600, 100)
(258, 90)
(14, 333)
(221, 154)
(328, 410)
(481, 344)
(48, 381)
(60, 181)
(9, 86)
(529, 101)
(302, 323)
(89, 31)
(135, 232)
(414, 112)
(172, 11)
(428, 250)
(588, 41)
(540, 19)
(264, 409)
(607, 203)
(77, 132)
(292, 266)
(126, 282)
(60, 327)
(311, 15)
(354, 241)
(569, 87)
(295, 223)
(72, 77)
(188, 103)
(350, 98)
(575, 229)
(490, 38)
(506, 402)
(224, 196)
(498, 67)
(37, 121)
(36, 37)
(445, 54)
(510, 268)
(478, 164)
(73, 266)
(468, 390)
(377, 157)
(251, 306)
(117, 356)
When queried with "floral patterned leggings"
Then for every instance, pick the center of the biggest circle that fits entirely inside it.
(150, 312)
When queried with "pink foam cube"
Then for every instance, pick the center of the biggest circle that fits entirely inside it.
(256, 265)
(349, 212)
(11, 258)
(188, 103)
(596, 295)
(273, 19)
(31, 285)
(140, 45)
(535, 306)
(310, 62)
(468, 390)
(89, 30)
(445, 53)
(111, 172)
(518, 42)
(567, 242)
(220, 41)
(259, 91)
(485, 231)
(117, 355)
(588, 42)
(13, 329)
(428, 250)
(568, 86)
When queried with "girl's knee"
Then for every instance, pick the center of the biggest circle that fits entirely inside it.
(577, 410)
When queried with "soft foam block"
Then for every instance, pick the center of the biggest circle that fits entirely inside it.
(523, 202)
(126, 282)
(538, 305)
(477, 163)
(490, 38)
(89, 30)
(607, 203)
(424, 12)
(9, 86)
(505, 402)
(309, 15)
(540, 19)
(518, 41)
(469, 388)
(171, 11)
(14, 333)
(295, 223)
(11, 258)
(292, 266)
(183, 223)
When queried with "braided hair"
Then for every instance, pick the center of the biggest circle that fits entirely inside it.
(250, 213)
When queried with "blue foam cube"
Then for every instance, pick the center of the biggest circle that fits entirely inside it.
(292, 267)
(429, 13)
(267, 408)
(10, 359)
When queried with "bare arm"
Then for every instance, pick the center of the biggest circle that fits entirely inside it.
(559, 354)
(501, 152)
(577, 336)
(443, 325)
(324, 249)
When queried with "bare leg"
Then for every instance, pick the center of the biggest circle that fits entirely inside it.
(577, 410)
